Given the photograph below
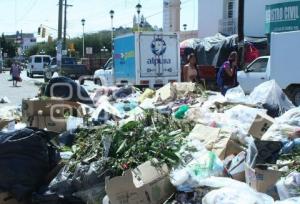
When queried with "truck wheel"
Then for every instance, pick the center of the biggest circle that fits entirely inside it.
(31, 75)
(27, 74)
(98, 82)
(296, 96)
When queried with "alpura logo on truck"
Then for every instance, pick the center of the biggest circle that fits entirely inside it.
(158, 48)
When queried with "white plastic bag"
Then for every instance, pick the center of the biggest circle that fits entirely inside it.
(271, 96)
(289, 186)
(233, 195)
(236, 95)
(294, 200)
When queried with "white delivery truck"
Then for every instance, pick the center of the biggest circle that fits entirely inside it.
(283, 66)
(144, 59)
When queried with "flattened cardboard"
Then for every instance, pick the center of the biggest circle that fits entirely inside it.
(216, 140)
(262, 180)
(260, 125)
(166, 93)
(144, 184)
(43, 122)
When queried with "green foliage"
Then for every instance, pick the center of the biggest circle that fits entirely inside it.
(155, 136)
(8, 46)
(48, 48)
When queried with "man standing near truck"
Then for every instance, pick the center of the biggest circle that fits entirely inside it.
(227, 75)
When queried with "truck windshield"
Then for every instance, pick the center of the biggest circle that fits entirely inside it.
(260, 65)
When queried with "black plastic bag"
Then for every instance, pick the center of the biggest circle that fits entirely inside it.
(26, 157)
(68, 89)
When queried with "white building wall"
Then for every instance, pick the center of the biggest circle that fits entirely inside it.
(171, 15)
(209, 14)
(254, 16)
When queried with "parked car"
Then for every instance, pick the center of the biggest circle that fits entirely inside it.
(69, 68)
(37, 64)
(104, 76)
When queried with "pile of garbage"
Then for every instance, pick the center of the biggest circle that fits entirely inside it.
(178, 144)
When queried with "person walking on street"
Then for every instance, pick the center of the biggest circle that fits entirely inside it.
(189, 70)
(15, 72)
(227, 74)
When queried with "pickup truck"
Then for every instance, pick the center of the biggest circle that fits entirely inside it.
(103, 77)
(283, 66)
(69, 68)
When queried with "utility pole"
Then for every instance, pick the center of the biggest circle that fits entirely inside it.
(241, 8)
(65, 24)
(60, 9)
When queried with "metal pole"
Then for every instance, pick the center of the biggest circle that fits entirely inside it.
(65, 25)
(112, 37)
(83, 41)
(241, 32)
(138, 21)
(60, 11)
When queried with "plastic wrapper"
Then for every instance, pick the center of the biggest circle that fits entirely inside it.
(233, 195)
(271, 97)
(197, 164)
(289, 186)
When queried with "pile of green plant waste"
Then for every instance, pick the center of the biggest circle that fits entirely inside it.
(294, 157)
(155, 136)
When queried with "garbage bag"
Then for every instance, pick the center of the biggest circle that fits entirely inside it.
(236, 95)
(289, 186)
(123, 92)
(196, 166)
(49, 197)
(68, 89)
(233, 195)
(26, 157)
(272, 98)
(87, 182)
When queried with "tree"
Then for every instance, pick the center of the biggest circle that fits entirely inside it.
(47, 48)
(8, 46)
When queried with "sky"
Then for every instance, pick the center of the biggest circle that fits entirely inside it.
(28, 15)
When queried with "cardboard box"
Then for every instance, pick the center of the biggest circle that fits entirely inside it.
(262, 180)
(260, 125)
(145, 184)
(237, 167)
(216, 140)
(166, 93)
(50, 107)
(42, 122)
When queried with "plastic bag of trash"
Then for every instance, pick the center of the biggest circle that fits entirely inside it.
(294, 200)
(4, 100)
(232, 195)
(87, 182)
(236, 95)
(289, 186)
(68, 89)
(272, 98)
(26, 157)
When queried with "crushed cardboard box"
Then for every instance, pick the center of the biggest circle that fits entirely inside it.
(237, 167)
(216, 140)
(262, 180)
(145, 184)
(166, 93)
(260, 125)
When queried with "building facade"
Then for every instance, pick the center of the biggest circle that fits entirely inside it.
(171, 15)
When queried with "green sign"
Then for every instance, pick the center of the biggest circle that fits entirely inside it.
(283, 17)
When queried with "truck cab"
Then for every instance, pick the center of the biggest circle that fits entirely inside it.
(256, 73)
(104, 76)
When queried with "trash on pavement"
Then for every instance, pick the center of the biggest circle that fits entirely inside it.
(4, 100)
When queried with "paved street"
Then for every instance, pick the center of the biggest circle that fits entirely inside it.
(25, 89)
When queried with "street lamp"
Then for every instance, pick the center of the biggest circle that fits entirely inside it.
(184, 26)
(102, 50)
(138, 10)
(111, 12)
(82, 23)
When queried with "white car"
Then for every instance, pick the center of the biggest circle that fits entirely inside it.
(37, 64)
(104, 77)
